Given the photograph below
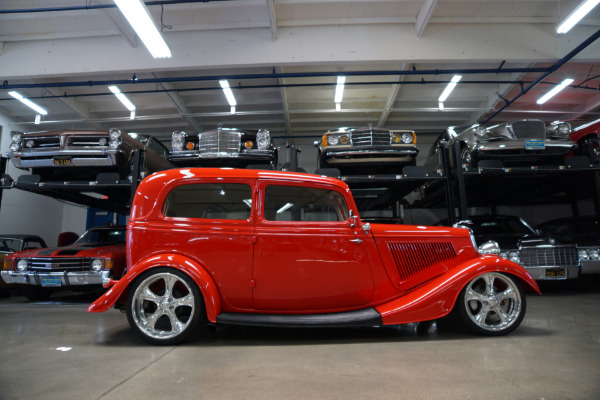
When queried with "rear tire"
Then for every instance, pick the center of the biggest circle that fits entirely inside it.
(492, 304)
(165, 306)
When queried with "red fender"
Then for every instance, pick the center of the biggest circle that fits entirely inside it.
(207, 285)
(437, 297)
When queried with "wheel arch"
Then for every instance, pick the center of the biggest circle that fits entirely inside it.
(188, 266)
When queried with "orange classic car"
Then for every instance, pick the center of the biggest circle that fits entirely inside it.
(268, 248)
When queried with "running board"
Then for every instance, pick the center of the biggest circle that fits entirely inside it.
(367, 316)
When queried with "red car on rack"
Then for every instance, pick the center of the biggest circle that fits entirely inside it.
(267, 248)
(588, 140)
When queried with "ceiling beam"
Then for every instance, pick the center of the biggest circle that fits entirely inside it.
(179, 103)
(272, 19)
(424, 16)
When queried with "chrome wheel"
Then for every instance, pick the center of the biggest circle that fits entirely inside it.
(164, 306)
(492, 304)
(465, 155)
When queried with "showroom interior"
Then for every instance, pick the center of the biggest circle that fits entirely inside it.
(300, 69)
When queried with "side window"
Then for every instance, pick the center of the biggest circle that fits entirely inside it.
(32, 245)
(159, 148)
(299, 203)
(210, 201)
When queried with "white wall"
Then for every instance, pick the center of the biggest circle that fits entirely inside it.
(25, 212)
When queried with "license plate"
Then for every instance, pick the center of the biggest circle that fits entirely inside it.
(62, 161)
(51, 281)
(556, 273)
(535, 144)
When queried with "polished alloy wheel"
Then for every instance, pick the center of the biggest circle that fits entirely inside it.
(494, 303)
(163, 306)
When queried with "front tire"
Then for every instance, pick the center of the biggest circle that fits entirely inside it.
(165, 306)
(492, 304)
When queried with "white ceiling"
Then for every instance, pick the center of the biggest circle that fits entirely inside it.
(390, 51)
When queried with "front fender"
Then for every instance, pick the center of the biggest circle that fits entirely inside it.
(437, 297)
(201, 277)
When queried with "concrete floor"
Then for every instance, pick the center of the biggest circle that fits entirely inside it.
(56, 350)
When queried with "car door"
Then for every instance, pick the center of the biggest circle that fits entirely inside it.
(307, 256)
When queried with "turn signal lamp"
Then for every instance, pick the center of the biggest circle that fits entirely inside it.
(189, 145)
(248, 144)
(7, 264)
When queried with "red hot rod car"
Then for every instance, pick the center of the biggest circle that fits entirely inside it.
(269, 248)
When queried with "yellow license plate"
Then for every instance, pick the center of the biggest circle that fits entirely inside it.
(62, 161)
(556, 273)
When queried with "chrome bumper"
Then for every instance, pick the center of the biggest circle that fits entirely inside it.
(370, 154)
(79, 158)
(553, 146)
(248, 155)
(66, 278)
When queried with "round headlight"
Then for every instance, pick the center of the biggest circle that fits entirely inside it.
(344, 139)
(407, 138)
(514, 256)
(177, 139)
(96, 264)
(480, 130)
(595, 254)
(29, 144)
(15, 137)
(333, 139)
(263, 139)
(22, 265)
(396, 138)
(583, 254)
(102, 142)
(503, 254)
(114, 138)
(489, 247)
(14, 146)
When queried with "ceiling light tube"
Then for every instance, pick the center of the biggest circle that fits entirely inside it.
(455, 79)
(576, 15)
(441, 105)
(554, 91)
(28, 103)
(339, 89)
(228, 93)
(122, 98)
(338, 107)
(138, 16)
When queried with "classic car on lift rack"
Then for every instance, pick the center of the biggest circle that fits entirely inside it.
(522, 142)
(224, 147)
(588, 139)
(367, 150)
(289, 249)
(96, 255)
(544, 257)
(81, 154)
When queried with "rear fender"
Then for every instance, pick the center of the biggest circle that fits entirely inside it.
(437, 297)
(194, 270)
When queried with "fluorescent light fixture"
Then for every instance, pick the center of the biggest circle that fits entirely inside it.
(339, 89)
(576, 15)
(28, 103)
(132, 115)
(232, 110)
(141, 21)
(38, 119)
(441, 105)
(338, 107)
(228, 93)
(455, 79)
(554, 91)
(587, 125)
(286, 206)
(122, 98)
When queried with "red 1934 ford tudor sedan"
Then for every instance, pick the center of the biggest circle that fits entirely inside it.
(267, 248)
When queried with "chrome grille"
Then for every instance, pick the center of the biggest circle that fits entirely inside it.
(45, 142)
(559, 256)
(533, 129)
(56, 264)
(221, 141)
(86, 141)
(370, 137)
(414, 256)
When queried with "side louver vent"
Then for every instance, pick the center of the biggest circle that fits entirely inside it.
(414, 256)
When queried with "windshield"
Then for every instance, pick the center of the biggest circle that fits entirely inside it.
(10, 245)
(115, 236)
(505, 226)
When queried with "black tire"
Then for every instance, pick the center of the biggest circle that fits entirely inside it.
(165, 306)
(492, 304)
(36, 293)
(591, 148)
(465, 157)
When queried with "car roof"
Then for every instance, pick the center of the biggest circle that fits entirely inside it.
(21, 236)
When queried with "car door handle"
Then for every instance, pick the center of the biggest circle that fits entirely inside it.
(357, 241)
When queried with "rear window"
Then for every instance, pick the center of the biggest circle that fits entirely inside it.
(210, 201)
